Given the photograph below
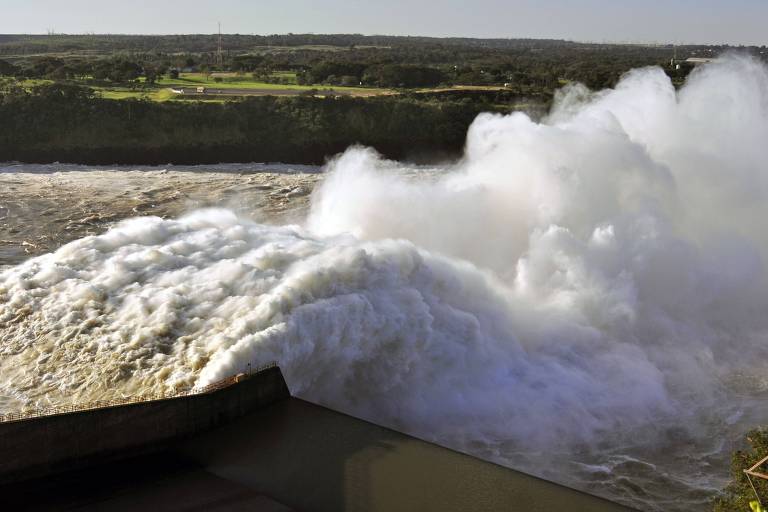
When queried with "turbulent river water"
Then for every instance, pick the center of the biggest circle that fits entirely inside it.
(582, 298)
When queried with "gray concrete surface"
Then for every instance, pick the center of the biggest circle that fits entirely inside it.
(285, 454)
(311, 458)
(53, 444)
(159, 482)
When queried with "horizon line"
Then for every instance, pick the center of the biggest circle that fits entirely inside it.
(489, 38)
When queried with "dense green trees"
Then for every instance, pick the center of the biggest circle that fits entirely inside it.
(8, 69)
(241, 62)
(44, 67)
(348, 59)
(277, 43)
(119, 70)
(395, 75)
(739, 493)
(334, 72)
(331, 71)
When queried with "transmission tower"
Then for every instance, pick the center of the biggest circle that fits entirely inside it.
(220, 51)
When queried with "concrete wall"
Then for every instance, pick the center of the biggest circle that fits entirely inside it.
(284, 454)
(308, 457)
(44, 446)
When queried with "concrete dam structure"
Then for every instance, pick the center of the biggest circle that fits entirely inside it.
(246, 444)
(55, 443)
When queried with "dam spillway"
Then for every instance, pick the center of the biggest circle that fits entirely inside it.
(249, 445)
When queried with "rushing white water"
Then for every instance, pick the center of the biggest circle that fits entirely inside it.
(584, 298)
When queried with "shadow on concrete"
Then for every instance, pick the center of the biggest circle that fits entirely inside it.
(312, 458)
(293, 455)
(159, 482)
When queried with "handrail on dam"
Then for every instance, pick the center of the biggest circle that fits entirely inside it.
(101, 404)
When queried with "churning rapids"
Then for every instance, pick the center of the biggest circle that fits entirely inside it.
(583, 298)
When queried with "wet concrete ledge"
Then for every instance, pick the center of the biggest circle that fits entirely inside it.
(48, 445)
(311, 458)
(285, 454)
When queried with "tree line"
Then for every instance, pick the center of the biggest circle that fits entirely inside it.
(202, 43)
(66, 123)
(344, 59)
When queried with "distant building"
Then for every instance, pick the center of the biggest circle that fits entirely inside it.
(677, 64)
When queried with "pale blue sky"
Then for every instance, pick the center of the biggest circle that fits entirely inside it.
(677, 21)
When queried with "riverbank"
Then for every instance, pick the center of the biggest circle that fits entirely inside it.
(63, 123)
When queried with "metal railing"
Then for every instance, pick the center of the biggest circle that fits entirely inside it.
(102, 404)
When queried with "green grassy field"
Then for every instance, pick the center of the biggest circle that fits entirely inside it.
(161, 90)
(34, 83)
(235, 81)
(117, 93)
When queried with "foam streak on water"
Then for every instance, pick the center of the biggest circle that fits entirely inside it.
(583, 298)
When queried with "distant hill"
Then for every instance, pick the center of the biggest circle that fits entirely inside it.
(197, 43)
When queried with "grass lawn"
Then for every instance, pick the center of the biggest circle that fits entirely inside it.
(234, 81)
(161, 91)
(122, 94)
(28, 84)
